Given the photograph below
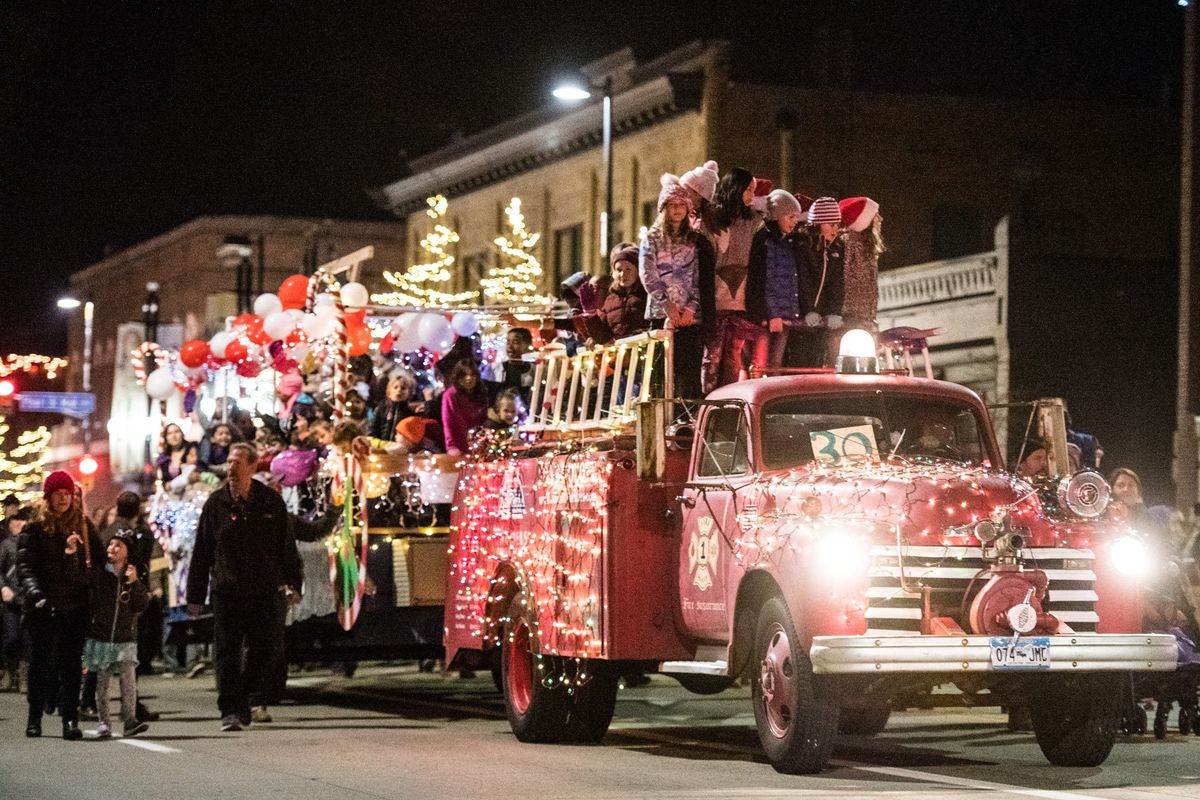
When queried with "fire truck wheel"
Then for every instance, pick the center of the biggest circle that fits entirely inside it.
(594, 701)
(537, 712)
(1075, 719)
(796, 727)
(865, 721)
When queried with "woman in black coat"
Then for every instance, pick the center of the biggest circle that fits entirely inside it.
(54, 555)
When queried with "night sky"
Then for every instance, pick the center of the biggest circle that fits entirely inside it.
(120, 123)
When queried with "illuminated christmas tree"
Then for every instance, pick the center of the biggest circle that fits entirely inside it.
(515, 282)
(21, 467)
(418, 285)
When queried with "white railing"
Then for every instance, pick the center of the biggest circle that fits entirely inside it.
(938, 281)
(597, 388)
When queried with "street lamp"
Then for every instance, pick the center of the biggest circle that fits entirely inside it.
(574, 92)
(69, 303)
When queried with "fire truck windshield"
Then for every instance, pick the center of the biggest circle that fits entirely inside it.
(836, 430)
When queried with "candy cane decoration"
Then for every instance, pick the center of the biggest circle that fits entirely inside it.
(138, 358)
(341, 364)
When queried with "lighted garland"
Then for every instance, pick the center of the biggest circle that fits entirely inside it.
(21, 467)
(32, 364)
(417, 286)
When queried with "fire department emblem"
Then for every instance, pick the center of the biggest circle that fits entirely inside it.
(512, 495)
(703, 554)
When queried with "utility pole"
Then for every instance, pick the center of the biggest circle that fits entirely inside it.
(1187, 397)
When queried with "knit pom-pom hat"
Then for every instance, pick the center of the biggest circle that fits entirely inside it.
(57, 480)
(672, 189)
(702, 180)
(824, 209)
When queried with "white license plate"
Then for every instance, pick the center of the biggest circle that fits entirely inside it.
(1027, 652)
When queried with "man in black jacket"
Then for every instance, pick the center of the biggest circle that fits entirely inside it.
(244, 544)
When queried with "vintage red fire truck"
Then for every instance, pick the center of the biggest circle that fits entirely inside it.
(847, 541)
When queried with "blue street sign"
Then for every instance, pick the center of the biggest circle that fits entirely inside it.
(73, 404)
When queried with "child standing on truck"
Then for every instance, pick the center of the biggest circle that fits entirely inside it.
(674, 262)
(118, 598)
(773, 285)
(822, 264)
(864, 244)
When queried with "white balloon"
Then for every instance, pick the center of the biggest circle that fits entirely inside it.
(464, 323)
(160, 384)
(354, 295)
(267, 304)
(435, 333)
(299, 352)
(324, 300)
(407, 336)
(296, 315)
(219, 342)
(278, 325)
(315, 326)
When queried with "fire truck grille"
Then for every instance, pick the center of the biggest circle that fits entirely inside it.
(949, 572)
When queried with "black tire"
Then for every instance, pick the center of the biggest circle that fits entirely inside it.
(704, 684)
(497, 677)
(1075, 718)
(1185, 719)
(593, 702)
(863, 721)
(797, 727)
(1160, 723)
(536, 713)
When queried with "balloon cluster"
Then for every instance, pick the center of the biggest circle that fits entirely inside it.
(288, 326)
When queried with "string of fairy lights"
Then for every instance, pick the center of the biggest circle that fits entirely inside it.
(419, 284)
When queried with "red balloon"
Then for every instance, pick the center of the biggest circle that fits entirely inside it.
(212, 362)
(359, 337)
(194, 353)
(259, 336)
(248, 369)
(354, 318)
(293, 292)
(236, 352)
(388, 343)
(248, 322)
(295, 337)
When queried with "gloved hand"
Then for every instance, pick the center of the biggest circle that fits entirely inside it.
(812, 319)
(833, 322)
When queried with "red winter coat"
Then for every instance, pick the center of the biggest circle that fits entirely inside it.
(623, 314)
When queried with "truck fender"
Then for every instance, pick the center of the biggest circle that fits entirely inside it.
(756, 587)
(507, 580)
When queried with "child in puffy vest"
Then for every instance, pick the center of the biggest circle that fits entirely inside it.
(118, 598)
(773, 285)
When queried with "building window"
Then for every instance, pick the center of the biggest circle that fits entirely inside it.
(475, 267)
(568, 252)
(955, 231)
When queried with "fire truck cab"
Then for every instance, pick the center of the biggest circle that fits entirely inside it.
(848, 542)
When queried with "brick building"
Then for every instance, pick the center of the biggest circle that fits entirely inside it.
(197, 291)
(1091, 181)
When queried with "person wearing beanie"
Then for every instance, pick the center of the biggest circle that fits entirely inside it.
(12, 633)
(730, 229)
(54, 557)
(675, 263)
(118, 598)
(624, 310)
(822, 268)
(864, 244)
(702, 180)
(773, 290)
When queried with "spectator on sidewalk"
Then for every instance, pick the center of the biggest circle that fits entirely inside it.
(246, 552)
(12, 635)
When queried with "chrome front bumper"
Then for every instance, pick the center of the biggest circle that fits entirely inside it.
(1092, 652)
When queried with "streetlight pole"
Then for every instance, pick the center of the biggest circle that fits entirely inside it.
(574, 93)
(606, 224)
(1187, 401)
(150, 331)
(89, 312)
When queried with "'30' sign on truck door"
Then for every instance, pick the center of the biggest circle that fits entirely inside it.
(836, 447)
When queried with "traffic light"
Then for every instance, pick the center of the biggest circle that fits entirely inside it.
(87, 467)
(8, 397)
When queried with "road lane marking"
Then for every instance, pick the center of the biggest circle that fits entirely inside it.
(964, 783)
(153, 747)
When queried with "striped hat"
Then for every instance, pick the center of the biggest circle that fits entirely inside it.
(824, 209)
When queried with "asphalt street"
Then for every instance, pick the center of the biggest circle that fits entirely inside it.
(393, 733)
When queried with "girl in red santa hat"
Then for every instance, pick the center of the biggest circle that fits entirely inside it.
(864, 244)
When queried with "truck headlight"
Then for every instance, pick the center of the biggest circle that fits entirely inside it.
(840, 556)
(1084, 494)
(1130, 556)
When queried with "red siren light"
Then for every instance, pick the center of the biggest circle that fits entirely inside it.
(88, 466)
